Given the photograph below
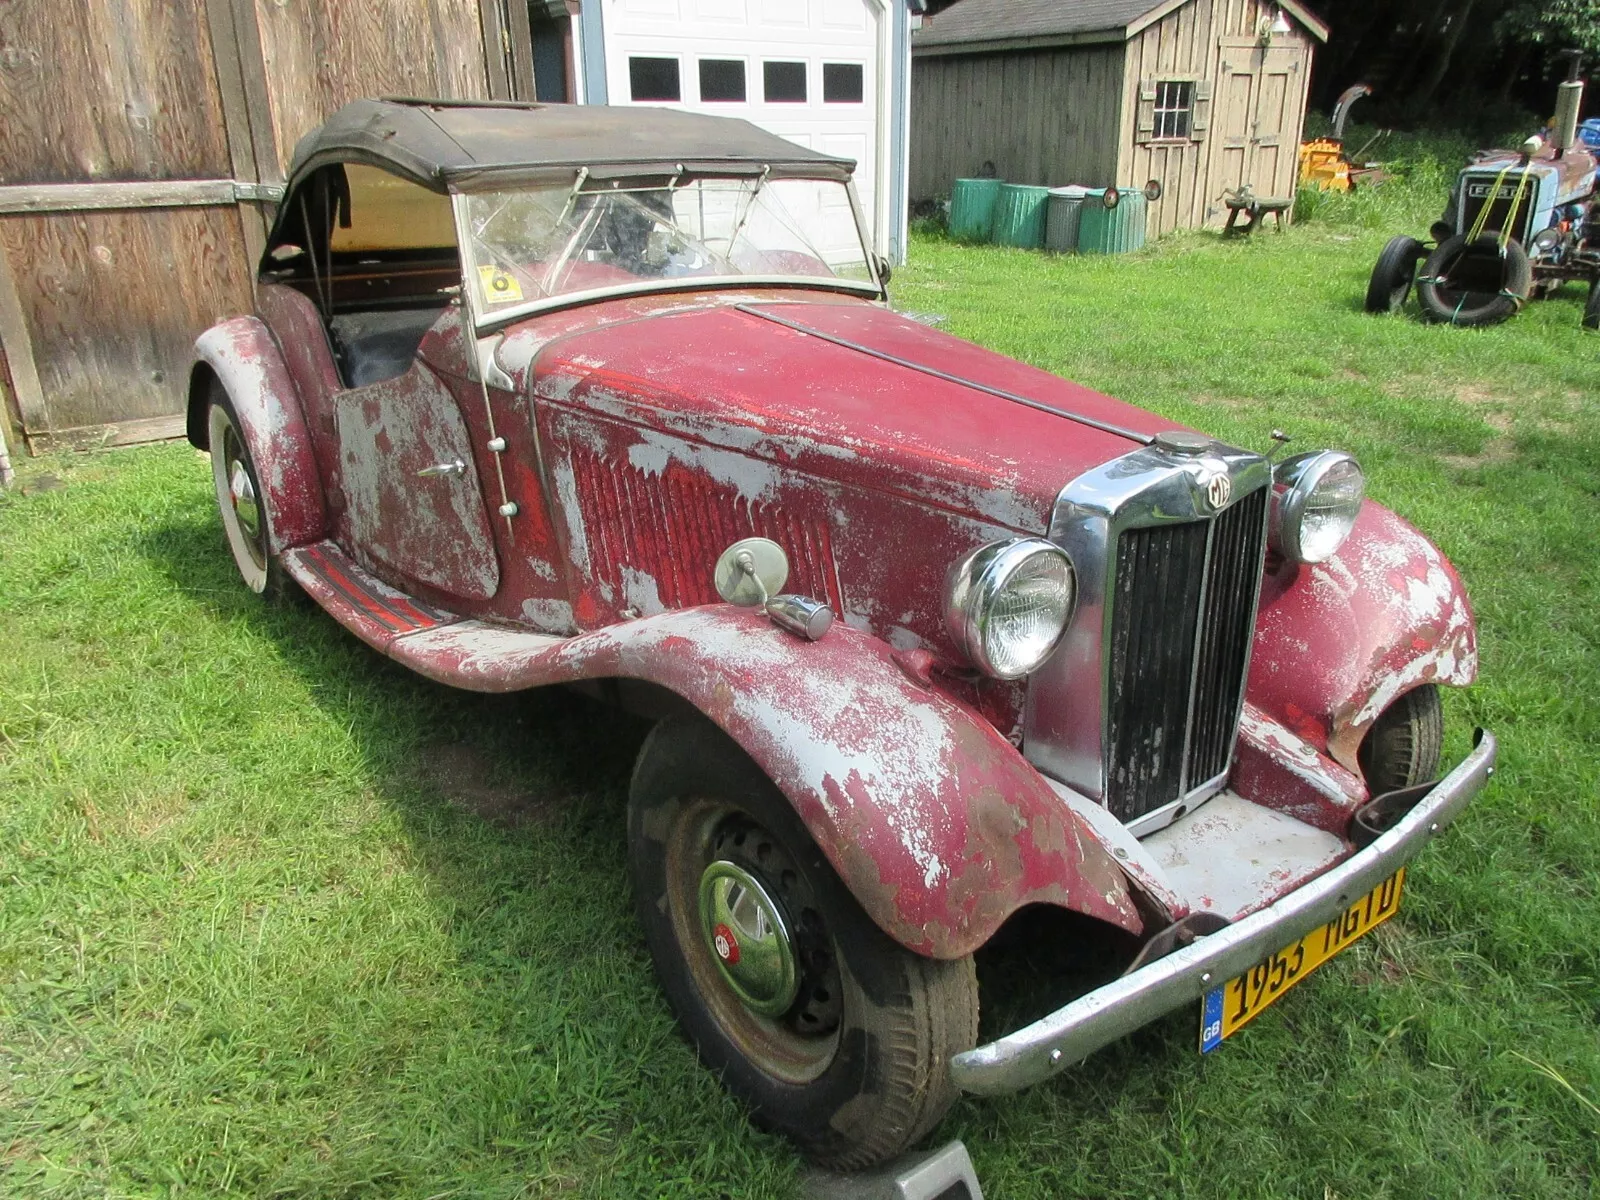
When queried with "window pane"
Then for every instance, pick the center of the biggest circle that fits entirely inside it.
(722, 79)
(654, 79)
(842, 83)
(784, 82)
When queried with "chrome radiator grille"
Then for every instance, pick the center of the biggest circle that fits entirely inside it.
(1182, 599)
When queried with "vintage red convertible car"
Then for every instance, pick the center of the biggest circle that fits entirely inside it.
(613, 398)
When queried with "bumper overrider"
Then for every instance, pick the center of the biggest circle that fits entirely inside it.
(1073, 1032)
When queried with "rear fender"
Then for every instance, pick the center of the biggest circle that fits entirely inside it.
(935, 822)
(1340, 641)
(241, 356)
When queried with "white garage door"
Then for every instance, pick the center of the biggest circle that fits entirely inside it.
(808, 70)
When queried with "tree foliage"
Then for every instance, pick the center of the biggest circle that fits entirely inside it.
(1467, 61)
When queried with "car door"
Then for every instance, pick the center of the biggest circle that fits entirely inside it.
(415, 507)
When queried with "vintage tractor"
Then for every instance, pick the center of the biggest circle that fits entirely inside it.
(1519, 224)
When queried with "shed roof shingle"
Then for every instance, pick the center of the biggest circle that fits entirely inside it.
(993, 20)
(982, 21)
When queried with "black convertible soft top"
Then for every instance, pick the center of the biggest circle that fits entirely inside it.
(442, 144)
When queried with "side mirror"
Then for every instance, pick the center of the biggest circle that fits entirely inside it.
(881, 265)
(752, 571)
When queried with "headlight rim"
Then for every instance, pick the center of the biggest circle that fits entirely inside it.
(1294, 482)
(978, 577)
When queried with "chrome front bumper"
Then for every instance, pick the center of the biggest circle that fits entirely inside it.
(1072, 1033)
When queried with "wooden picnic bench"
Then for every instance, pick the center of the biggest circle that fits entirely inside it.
(1255, 207)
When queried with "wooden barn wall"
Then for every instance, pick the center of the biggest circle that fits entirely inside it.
(1188, 41)
(124, 127)
(321, 55)
(1040, 116)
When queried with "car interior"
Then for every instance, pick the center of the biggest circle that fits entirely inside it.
(377, 255)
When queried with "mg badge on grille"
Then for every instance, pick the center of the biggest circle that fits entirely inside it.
(1218, 491)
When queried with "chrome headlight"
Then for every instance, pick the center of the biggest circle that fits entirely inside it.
(1008, 603)
(1316, 498)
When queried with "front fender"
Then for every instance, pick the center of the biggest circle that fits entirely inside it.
(1338, 642)
(244, 359)
(934, 821)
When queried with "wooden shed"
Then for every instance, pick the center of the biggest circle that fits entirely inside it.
(1202, 95)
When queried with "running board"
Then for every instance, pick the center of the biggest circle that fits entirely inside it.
(366, 606)
(443, 646)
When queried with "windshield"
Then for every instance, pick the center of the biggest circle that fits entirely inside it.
(536, 244)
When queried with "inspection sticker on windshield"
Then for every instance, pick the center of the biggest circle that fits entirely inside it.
(498, 287)
(1231, 1007)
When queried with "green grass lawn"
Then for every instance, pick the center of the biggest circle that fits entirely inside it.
(277, 918)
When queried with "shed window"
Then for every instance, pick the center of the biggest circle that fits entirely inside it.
(722, 79)
(654, 79)
(784, 82)
(842, 83)
(1174, 109)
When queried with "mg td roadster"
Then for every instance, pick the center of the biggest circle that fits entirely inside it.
(938, 642)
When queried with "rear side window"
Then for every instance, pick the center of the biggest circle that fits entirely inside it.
(654, 79)
(784, 82)
(722, 80)
(842, 83)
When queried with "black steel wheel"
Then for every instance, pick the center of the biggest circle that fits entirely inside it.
(1403, 746)
(1394, 274)
(239, 498)
(1474, 283)
(834, 1034)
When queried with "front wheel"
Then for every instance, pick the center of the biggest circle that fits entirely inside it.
(1591, 309)
(834, 1034)
(1394, 274)
(1403, 746)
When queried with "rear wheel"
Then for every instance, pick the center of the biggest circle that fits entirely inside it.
(834, 1034)
(1394, 274)
(240, 500)
(1403, 746)
(1474, 283)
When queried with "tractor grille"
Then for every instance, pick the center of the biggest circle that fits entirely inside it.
(1182, 599)
(1476, 191)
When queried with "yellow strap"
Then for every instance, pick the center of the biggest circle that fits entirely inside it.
(1516, 201)
(1483, 213)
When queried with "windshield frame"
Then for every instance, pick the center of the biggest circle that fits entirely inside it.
(486, 323)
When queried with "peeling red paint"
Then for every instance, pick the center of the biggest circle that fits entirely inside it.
(645, 435)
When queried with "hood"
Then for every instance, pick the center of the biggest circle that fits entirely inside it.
(741, 377)
(1573, 171)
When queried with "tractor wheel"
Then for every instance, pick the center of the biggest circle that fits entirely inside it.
(1394, 274)
(1474, 283)
(834, 1034)
(1403, 746)
(1591, 310)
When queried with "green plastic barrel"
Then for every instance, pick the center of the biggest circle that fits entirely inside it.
(1117, 230)
(1019, 215)
(972, 208)
(1062, 215)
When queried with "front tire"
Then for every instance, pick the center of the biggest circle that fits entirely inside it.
(1403, 746)
(1395, 272)
(834, 1034)
(240, 500)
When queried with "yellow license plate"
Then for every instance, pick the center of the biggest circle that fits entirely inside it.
(1229, 1008)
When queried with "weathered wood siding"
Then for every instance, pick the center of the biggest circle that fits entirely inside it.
(104, 287)
(321, 55)
(1040, 116)
(1252, 114)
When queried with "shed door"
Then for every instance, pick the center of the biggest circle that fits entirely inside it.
(1260, 94)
